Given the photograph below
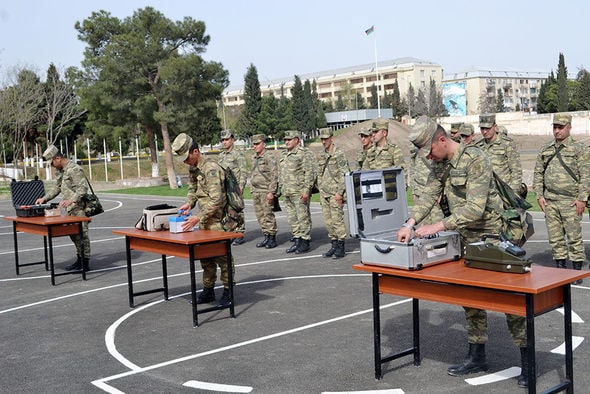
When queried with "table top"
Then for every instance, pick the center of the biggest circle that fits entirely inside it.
(186, 238)
(539, 280)
(48, 220)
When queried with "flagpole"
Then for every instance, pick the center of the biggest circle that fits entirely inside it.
(377, 76)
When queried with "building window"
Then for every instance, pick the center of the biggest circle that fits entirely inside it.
(422, 73)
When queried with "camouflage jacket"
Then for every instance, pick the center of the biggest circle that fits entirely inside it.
(206, 189)
(265, 173)
(473, 200)
(360, 157)
(72, 185)
(419, 170)
(388, 156)
(332, 165)
(505, 159)
(296, 171)
(235, 160)
(552, 181)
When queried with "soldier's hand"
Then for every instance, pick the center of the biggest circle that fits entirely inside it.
(404, 234)
(304, 197)
(429, 229)
(65, 203)
(39, 201)
(580, 206)
(190, 222)
(339, 199)
(542, 202)
(184, 209)
(270, 198)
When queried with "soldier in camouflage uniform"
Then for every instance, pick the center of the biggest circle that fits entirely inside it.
(361, 155)
(466, 133)
(264, 183)
(502, 152)
(455, 131)
(382, 154)
(420, 167)
(73, 185)
(332, 165)
(296, 179)
(206, 188)
(235, 160)
(475, 208)
(560, 196)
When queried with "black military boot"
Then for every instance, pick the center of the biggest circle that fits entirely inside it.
(263, 243)
(207, 295)
(578, 267)
(76, 265)
(303, 246)
(523, 378)
(295, 245)
(272, 242)
(560, 263)
(86, 264)
(340, 252)
(331, 251)
(225, 299)
(474, 362)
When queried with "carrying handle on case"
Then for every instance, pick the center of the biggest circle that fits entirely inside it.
(385, 250)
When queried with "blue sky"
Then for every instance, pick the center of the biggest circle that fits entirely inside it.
(284, 38)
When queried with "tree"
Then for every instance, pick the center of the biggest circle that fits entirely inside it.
(562, 91)
(340, 103)
(397, 106)
(436, 106)
(267, 117)
(373, 100)
(411, 101)
(249, 124)
(487, 103)
(500, 102)
(421, 107)
(320, 115)
(544, 105)
(147, 70)
(300, 108)
(582, 91)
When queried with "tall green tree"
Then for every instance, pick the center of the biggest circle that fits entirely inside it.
(249, 123)
(319, 114)
(547, 100)
(421, 107)
(373, 100)
(396, 103)
(299, 105)
(562, 91)
(500, 102)
(309, 121)
(582, 91)
(145, 73)
(411, 101)
(268, 119)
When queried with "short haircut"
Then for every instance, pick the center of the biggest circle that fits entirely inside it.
(194, 145)
(440, 131)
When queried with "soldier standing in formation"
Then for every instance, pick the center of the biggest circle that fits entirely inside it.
(206, 188)
(264, 183)
(455, 131)
(475, 209)
(502, 152)
(73, 185)
(382, 154)
(234, 160)
(296, 179)
(332, 165)
(361, 155)
(466, 133)
(562, 184)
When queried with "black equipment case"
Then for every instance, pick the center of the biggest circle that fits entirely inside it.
(24, 194)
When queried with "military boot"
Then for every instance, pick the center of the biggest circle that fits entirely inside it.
(86, 264)
(263, 243)
(340, 252)
(225, 299)
(295, 245)
(272, 242)
(578, 267)
(331, 251)
(560, 263)
(77, 265)
(474, 362)
(303, 246)
(207, 295)
(523, 378)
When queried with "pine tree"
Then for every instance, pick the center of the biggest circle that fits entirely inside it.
(373, 101)
(249, 122)
(411, 101)
(500, 101)
(299, 105)
(562, 91)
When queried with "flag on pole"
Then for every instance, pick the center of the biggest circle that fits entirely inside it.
(370, 30)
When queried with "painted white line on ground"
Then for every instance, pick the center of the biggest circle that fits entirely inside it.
(389, 391)
(509, 373)
(225, 388)
(575, 317)
(576, 341)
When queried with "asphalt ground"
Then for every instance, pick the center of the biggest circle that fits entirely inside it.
(303, 323)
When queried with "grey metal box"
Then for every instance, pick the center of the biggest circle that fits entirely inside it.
(377, 207)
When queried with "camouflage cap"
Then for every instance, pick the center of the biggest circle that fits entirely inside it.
(466, 129)
(366, 132)
(290, 134)
(455, 127)
(258, 138)
(379, 125)
(487, 121)
(422, 132)
(227, 134)
(182, 144)
(562, 119)
(326, 132)
(50, 152)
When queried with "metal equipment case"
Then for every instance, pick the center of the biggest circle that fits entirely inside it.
(24, 194)
(377, 207)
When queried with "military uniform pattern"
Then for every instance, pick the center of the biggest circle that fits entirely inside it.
(72, 185)
(383, 157)
(559, 189)
(332, 165)
(360, 157)
(235, 160)
(205, 188)
(264, 180)
(419, 170)
(505, 159)
(475, 210)
(296, 176)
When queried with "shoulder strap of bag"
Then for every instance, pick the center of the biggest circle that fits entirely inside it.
(565, 166)
(88, 182)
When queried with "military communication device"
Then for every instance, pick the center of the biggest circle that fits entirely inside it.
(500, 255)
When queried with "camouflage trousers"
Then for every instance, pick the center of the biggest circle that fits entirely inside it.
(264, 213)
(564, 228)
(333, 218)
(82, 242)
(477, 327)
(299, 216)
(210, 265)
